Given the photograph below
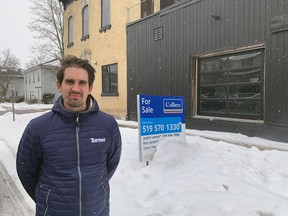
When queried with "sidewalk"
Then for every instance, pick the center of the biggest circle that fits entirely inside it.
(22, 111)
(12, 202)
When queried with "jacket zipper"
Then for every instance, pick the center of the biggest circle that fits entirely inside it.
(46, 201)
(78, 165)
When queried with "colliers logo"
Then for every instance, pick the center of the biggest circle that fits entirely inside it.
(173, 105)
(97, 140)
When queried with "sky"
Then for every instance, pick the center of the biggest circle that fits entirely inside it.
(202, 177)
(14, 18)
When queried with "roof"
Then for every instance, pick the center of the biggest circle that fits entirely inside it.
(15, 73)
(54, 63)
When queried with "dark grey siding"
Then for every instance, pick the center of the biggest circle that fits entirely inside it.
(277, 65)
(192, 28)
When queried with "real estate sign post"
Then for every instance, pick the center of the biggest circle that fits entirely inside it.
(159, 117)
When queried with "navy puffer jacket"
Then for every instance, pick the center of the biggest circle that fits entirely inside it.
(65, 161)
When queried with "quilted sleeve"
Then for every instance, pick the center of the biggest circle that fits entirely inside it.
(115, 151)
(28, 159)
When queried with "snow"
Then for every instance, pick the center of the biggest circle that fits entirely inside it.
(206, 176)
(24, 106)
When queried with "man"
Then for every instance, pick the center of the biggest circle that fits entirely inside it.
(67, 156)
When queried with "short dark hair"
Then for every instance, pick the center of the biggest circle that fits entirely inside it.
(73, 61)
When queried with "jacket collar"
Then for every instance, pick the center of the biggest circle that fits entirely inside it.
(92, 106)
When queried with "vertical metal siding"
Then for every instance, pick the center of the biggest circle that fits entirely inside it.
(164, 66)
(276, 68)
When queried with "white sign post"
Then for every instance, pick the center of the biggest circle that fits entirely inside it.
(159, 117)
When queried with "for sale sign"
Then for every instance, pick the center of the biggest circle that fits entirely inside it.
(159, 117)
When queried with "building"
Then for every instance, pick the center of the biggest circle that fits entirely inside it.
(41, 79)
(96, 31)
(229, 59)
(14, 81)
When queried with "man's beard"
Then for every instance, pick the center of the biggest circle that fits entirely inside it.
(75, 103)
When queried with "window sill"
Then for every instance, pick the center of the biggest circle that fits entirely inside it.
(109, 94)
(211, 118)
(103, 29)
(70, 45)
(84, 38)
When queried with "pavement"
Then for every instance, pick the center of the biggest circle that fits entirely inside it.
(19, 111)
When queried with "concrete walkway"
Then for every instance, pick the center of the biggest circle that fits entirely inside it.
(20, 111)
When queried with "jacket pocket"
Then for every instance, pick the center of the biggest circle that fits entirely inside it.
(47, 201)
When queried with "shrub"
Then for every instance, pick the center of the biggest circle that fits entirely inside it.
(32, 101)
(18, 99)
(48, 98)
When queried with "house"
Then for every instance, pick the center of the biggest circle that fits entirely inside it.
(96, 31)
(41, 79)
(228, 58)
(14, 80)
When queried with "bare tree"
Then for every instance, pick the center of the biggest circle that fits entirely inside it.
(9, 66)
(47, 26)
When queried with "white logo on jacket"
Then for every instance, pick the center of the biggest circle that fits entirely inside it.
(97, 140)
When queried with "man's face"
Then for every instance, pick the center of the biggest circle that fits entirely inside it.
(75, 89)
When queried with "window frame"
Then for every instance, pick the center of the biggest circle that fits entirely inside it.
(110, 92)
(105, 15)
(70, 32)
(85, 23)
(147, 8)
(252, 101)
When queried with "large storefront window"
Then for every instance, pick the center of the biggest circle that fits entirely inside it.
(232, 85)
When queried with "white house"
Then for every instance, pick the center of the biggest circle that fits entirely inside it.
(41, 79)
